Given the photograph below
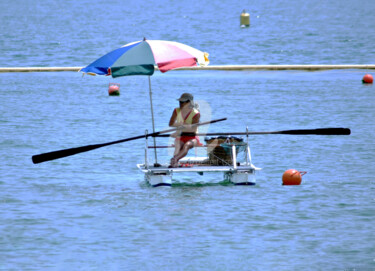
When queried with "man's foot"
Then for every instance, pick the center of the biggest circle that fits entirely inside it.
(174, 163)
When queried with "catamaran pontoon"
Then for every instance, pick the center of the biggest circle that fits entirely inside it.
(222, 157)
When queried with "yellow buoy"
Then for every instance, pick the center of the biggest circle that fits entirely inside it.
(245, 19)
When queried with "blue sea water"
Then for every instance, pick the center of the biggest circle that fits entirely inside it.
(93, 211)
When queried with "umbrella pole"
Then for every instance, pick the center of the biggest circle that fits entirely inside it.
(153, 121)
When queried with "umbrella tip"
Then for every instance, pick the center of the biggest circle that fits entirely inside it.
(144, 38)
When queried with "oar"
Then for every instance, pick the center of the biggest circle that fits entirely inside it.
(48, 156)
(319, 131)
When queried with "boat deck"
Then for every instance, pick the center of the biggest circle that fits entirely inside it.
(196, 168)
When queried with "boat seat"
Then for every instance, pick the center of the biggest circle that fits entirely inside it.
(194, 160)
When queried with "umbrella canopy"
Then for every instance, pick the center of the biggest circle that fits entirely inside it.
(140, 58)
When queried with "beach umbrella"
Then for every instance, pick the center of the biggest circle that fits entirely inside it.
(141, 57)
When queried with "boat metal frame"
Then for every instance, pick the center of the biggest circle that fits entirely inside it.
(237, 173)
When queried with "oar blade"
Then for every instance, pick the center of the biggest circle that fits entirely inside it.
(49, 156)
(319, 131)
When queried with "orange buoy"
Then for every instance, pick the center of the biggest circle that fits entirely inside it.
(367, 79)
(114, 89)
(293, 177)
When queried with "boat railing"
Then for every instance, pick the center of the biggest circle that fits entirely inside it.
(212, 158)
(227, 156)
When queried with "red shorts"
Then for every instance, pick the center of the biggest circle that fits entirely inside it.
(185, 139)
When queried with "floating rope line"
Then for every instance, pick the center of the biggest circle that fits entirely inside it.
(218, 68)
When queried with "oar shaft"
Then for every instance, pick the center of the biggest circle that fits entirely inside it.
(319, 131)
(44, 157)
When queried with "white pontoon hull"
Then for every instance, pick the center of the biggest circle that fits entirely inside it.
(162, 176)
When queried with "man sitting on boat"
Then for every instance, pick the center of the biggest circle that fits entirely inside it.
(185, 115)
